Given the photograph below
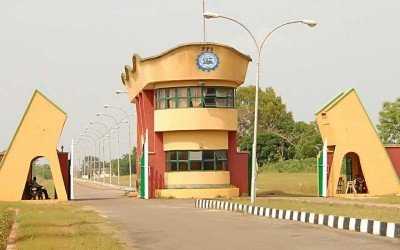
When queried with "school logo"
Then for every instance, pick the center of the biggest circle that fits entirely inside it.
(207, 61)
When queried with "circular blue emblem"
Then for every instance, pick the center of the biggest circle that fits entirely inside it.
(207, 61)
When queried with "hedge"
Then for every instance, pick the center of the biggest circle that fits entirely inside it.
(291, 166)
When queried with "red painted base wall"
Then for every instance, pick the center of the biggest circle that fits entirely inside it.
(394, 155)
(64, 164)
(238, 165)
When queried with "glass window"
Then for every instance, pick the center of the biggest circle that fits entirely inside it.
(191, 160)
(195, 155)
(221, 155)
(221, 165)
(170, 93)
(182, 98)
(183, 166)
(195, 165)
(173, 166)
(172, 155)
(208, 154)
(209, 165)
(196, 97)
(183, 155)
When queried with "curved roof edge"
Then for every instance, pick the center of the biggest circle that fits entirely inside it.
(196, 43)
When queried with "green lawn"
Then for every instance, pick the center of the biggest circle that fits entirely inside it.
(287, 184)
(275, 185)
(351, 210)
(62, 225)
(123, 180)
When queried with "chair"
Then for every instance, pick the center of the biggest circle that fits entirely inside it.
(340, 185)
(351, 186)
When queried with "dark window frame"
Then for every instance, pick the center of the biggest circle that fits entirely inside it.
(207, 100)
(214, 161)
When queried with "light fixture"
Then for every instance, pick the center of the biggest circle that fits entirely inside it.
(310, 23)
(118, 91)
(210, 15)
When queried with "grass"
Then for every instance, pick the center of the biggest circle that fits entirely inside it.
(283, 185)
(123, 180)
(62, 225)
(6, 216)
(351, 210)
(287, 184)
(48, 184)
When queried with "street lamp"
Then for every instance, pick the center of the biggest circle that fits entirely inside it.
(94, 151)
(118, 91)
(310, 23)
(129, 138)
(109, 143)
(116, 122)
(102, 137)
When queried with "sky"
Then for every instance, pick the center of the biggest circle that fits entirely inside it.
(74, 52)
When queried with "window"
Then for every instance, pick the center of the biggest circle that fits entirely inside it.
(196, 97)
(196, 160)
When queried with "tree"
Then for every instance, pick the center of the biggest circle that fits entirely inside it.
(124, 164)
(389, 122)
(279, 136)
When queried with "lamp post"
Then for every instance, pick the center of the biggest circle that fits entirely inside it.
(116, 122)
(310, 23)
(109, 143)
(94, 151)
(129, 138)
(88, 161)
(102, 137)
(99, 137)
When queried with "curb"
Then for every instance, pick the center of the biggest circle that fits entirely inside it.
(387, 229)
(113, 186)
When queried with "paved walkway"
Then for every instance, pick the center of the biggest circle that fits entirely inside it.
(177, 224)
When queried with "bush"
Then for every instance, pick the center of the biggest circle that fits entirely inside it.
(6, 216)
(291, 166)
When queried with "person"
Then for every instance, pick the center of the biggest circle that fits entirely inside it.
(40, 187)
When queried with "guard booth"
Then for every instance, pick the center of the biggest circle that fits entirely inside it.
(187, 120)
(358, 161)
(36, 136)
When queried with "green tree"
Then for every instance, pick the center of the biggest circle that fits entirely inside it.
(124, 164)
(389, 122)
(279, 137)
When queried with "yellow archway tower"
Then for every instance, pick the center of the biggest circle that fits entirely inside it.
(349, 131)
(37, 135)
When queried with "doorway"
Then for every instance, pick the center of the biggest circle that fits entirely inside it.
(39, 182)
(351, 175)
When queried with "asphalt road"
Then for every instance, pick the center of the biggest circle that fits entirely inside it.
(177, 224)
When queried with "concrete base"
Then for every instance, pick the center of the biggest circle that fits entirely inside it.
(210, 193)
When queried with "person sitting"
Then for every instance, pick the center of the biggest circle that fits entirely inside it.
(40, 187)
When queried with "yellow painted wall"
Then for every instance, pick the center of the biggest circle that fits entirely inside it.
(211, 83)
(349, 129)
(37, 135)
(196, 178)
(210, 193)
(179, 64)
(195, 119)
(195, 140)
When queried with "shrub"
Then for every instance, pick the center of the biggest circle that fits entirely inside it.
(291, 166)
(6, 216)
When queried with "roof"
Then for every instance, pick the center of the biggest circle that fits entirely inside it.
(334, 101)
(196, 43)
